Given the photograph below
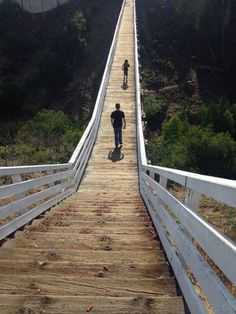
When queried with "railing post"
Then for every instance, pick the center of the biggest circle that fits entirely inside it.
(152, 175)
(163, 181)
(192, 199)
(50, 173)
(16, 179)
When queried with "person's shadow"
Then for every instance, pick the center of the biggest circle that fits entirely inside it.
(115, 155)
(125, 86)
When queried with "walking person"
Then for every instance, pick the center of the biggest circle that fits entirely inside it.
(125, 68)
(118, 121)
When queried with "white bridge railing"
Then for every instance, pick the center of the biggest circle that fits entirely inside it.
(28, 191)
(182, 231)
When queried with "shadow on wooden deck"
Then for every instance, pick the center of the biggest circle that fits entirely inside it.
(115, 155)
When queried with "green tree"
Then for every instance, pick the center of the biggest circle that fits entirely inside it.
(174, 129)
(194, 148)
(154, 110)
(70, 42)
(219, 116)
(48, 137)
(79, 22)
(228, 123)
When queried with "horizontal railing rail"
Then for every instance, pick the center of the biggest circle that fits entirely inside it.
(19, 170)
(223, 190)
(17, 188)
(28, 191)
(185, 236)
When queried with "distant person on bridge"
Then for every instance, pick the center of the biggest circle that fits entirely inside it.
(125, 68)
(117, 121)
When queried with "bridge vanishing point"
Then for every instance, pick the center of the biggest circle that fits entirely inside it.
(102, 233)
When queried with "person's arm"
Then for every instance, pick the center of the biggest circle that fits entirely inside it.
(124, 121)
(112, 120)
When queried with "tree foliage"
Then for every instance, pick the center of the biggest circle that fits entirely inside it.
(70, 41)
(188, 61)
(79, 23)
(176, 31)
(48, 137)
(194, 148)
(154, 110)
(220, 116)
(37, 60)
(207, 145)
(56, 65)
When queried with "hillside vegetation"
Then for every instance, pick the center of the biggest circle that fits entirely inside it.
(188, 61)
(51, 65)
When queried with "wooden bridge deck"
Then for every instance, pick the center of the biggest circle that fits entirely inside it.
(95, 252)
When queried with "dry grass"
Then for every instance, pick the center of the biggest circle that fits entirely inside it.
(9, 218)
(221, 216)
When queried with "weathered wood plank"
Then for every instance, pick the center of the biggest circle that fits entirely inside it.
(95, 256)
(77, 286)
(98, 305)
(124, 269)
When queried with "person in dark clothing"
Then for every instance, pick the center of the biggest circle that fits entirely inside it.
(117, 121)
(125, 68)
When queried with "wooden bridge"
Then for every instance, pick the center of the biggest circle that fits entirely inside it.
(98, 251)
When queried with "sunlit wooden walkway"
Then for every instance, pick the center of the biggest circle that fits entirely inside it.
(95, 252)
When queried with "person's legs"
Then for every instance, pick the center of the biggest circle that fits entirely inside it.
(125, 77)
(116, 132)
(120, 135)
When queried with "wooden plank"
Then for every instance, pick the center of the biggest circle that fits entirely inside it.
(100, 305)
(131, 230)
(110, 270)
(91, 256)
(77, 286)
(87, 242)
